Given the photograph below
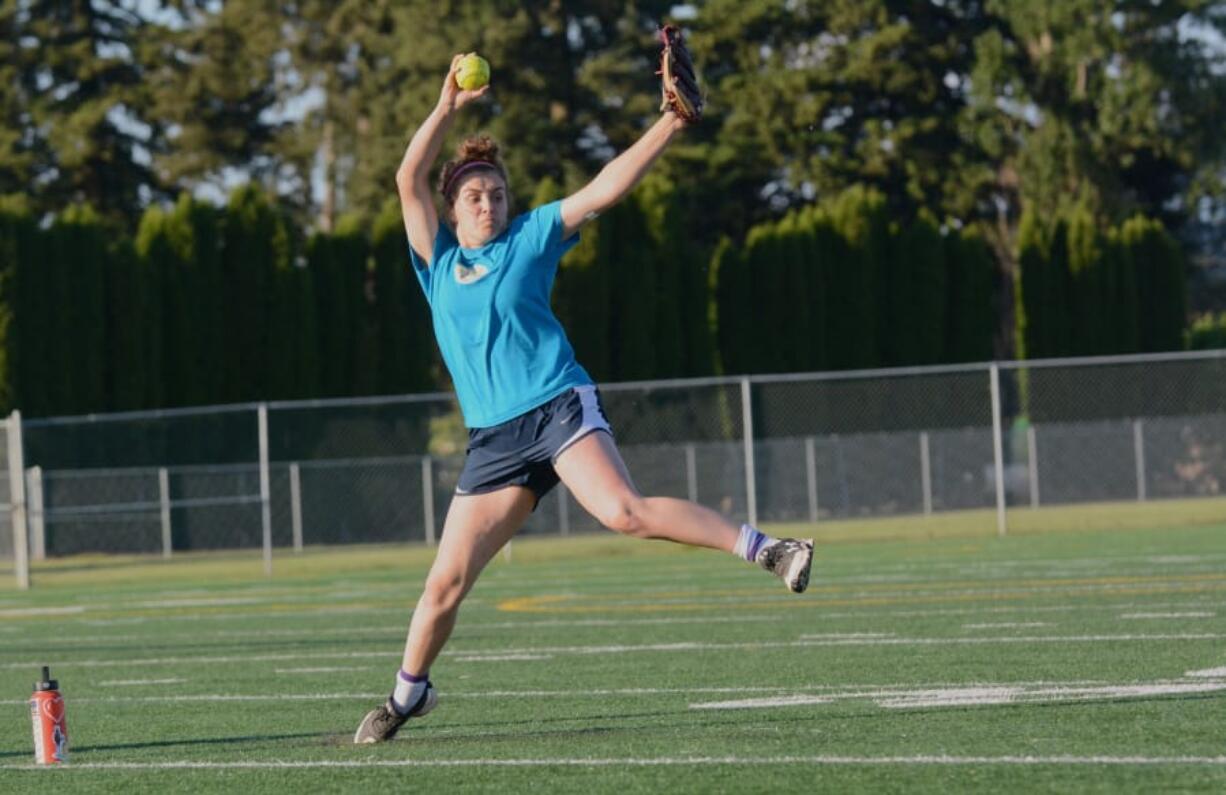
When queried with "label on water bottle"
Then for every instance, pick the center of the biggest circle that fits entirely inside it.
(50, 728)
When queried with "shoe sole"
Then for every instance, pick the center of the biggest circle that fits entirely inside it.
(798, 573)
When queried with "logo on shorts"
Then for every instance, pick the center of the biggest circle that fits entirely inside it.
(466, 275)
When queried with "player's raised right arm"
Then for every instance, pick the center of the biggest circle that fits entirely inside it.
(413, 176)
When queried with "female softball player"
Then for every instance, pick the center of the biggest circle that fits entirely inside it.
(533, 414)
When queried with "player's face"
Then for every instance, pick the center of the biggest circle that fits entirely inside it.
(480, 208)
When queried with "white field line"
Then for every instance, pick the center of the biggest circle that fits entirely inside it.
(804, 642)
(136, 682)
(1007, 625)
(974, 695)
(1210, 673)
(584, 693)
(24, 612)
(235, 601)
(783, 694)
(761, 703)
(690, 761)
(1168, 615)
(324, 670)
(505, 657)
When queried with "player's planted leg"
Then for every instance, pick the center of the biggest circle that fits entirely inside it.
(476, 527)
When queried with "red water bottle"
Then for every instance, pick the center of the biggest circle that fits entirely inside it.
(50, 727)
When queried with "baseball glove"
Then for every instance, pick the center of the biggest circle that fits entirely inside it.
(679, 84)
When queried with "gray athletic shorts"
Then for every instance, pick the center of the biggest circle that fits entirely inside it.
(522, 451)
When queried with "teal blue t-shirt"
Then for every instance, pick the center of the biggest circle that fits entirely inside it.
(504, 348)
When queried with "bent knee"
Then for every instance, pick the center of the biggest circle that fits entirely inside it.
(444, 592)
(625, 516)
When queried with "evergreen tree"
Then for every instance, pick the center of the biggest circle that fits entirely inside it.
(918, 291)
(216, 85)
(970, 314)
(731, 322)
(338, 270)
(79, 76)
(255, 249)
(406, 346)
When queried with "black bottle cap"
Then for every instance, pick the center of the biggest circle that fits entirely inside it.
(47, 682)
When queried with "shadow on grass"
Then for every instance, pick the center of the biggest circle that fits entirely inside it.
(85, 749)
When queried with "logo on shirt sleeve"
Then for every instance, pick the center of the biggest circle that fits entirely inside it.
(470, 275)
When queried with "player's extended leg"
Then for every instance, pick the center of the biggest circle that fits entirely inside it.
(594, 472)
(477, 526)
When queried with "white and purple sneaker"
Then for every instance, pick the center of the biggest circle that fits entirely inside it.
(789, 559)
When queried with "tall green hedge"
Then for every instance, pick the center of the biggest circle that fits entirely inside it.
(210, 304)
(1091, 290)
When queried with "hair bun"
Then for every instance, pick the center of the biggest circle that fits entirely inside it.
(479, 147)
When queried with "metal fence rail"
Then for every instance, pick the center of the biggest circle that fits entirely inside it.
(784, 448)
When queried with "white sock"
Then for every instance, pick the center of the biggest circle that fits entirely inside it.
(750, 542)
(408, 691)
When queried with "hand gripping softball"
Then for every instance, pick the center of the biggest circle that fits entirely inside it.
(678, 83)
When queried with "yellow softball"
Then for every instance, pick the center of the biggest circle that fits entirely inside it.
(473, 73)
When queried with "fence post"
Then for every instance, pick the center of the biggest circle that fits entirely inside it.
(17, 501)
(164, 499)
(1032, 458)
(691, 472)
(427, 496)
(811, 475)
(265, 506)
(1138, 446)
(295, 504)
(925, 473)
(35, 515)
(751, 486)
(998, 453)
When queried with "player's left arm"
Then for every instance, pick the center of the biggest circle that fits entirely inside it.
(619, 176)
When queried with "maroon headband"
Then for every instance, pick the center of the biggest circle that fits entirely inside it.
(470, 166)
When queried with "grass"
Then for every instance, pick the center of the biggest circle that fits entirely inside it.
(927, 660)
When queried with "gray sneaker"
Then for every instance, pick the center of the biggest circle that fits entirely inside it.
(382, 722)
(789, 559)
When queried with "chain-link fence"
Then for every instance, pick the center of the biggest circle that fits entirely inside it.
(795, 448)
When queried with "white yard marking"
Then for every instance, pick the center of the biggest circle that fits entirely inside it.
(135, 682)
(504, 657)
(972, 696)
(21, 612)
(1209, 673)
(1007, 625)
(331, 670)
(1169, 615)
(816, 761)
(760, 703)
(786, 694)
(976, 695)
(213, 602)
(949, 697)
(846, 635)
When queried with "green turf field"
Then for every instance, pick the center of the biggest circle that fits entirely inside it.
(1090, 661)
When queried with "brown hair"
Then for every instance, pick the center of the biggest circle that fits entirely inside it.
(473, 154)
